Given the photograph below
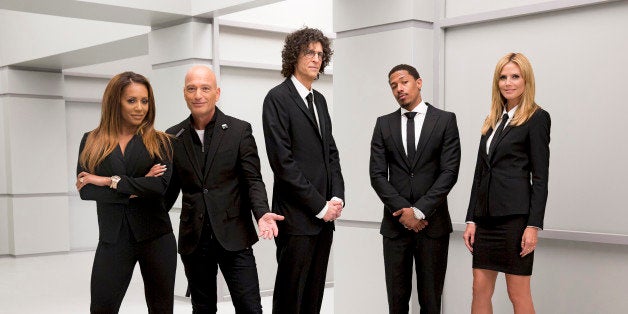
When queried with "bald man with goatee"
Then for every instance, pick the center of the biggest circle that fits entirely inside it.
(217, 168)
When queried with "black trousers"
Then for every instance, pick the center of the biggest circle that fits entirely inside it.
(238, 268)
(113, 269)
(430, 257)
(301, 270)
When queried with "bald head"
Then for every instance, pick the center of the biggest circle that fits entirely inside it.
(201, 94)
(200, 71)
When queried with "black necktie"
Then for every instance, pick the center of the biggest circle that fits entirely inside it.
(310, 105)
(410, 145)
(498, 133)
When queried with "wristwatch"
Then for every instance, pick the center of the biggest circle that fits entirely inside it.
(114, 182)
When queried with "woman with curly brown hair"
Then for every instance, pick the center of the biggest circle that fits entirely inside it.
(124, 166)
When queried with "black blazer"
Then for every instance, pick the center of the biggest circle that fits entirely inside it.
(305, 162)
(513, 180)
(146, 215)
(424, 182)
(229, 190)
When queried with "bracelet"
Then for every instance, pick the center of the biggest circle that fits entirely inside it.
(114, 182)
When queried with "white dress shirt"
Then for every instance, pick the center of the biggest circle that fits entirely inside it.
(420, 110)
(511, 114)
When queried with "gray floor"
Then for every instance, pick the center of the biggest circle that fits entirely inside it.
(59, 283)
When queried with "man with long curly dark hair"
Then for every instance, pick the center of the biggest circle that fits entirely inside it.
(308, 188)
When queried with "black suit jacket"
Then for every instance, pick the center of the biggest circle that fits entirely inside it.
(423, 182)
(305, 162)
(513, 180)
(146, 215)
(229, 190)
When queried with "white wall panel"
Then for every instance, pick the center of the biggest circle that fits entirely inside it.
(33, 36)
(291, 14)
(250, 46)
(83, 223)
(84, 88)
(39, 224)
(172, 6)
(30, 82)
(464, 7)
(180, 42)
(359, 262)
(4, 225)
(349, 16)
(81, 117)
(139, 65)
(4, 149)
(36, 138)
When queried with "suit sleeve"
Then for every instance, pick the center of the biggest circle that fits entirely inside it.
(249, 164)
(540, 125)
(449, 166)
(378, 169)
(337, 181)
(276, 122)
(174, 187)
(148, 186)
(475, 186)
(98, 193)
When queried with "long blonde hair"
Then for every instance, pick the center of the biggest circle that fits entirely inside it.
(526, 107)
(104, 139)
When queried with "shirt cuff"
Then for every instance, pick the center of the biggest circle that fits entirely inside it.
(535, 227)
(418, 214)
(470, 222)
(323, 211)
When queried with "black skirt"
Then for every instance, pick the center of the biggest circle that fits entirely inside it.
(497, 245)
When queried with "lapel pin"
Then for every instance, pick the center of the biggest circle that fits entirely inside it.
(225, 126)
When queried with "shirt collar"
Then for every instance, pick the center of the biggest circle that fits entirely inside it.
(420, 109)
(510, 113)
(209, 125)
(302, 90)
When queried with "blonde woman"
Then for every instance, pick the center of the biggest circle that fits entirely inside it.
(509, 189)
(124, 166)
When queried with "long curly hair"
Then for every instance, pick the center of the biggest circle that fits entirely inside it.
(298, 42)
(104, 139)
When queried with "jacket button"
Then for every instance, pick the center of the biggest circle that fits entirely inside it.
(200, 216)
(411, 175)
(205, 191)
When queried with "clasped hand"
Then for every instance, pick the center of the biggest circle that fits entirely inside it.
(409, 221)
(334, 210)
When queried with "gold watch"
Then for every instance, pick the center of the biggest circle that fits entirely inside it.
(114, 182)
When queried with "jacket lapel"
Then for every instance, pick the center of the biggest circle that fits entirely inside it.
(394, 123)
(483, 146)
(321, 116)
(189, 150)
(431, 117)
(217, 135)
(504, 132)
(132, 153)
(294, 94)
